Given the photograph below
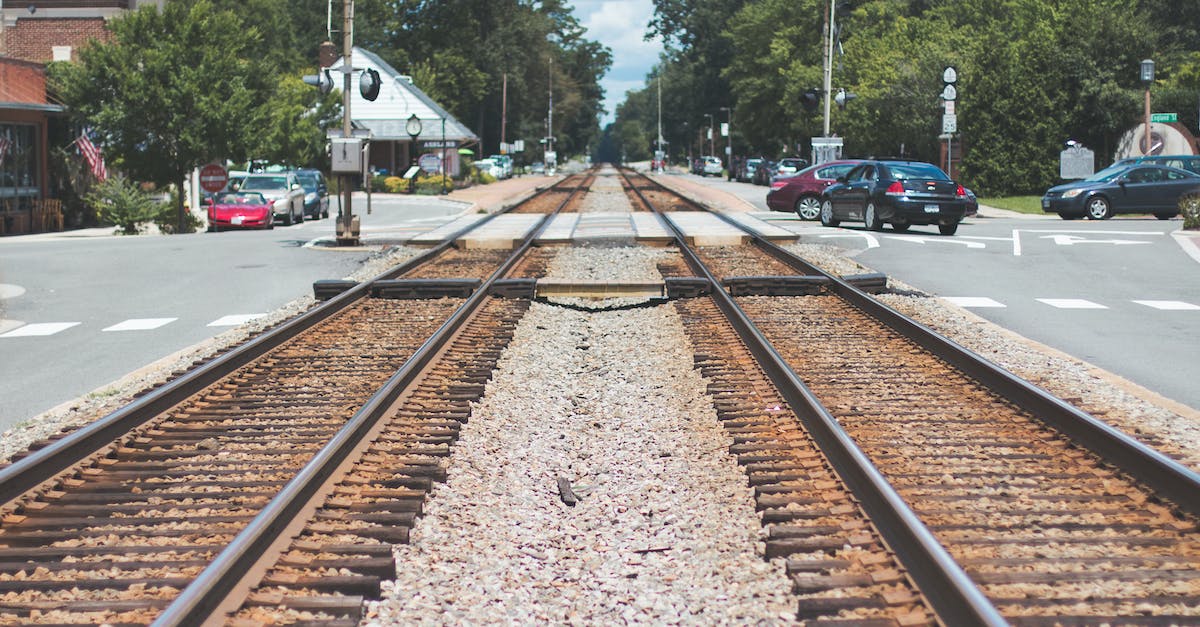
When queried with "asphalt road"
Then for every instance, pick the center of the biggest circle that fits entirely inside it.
(79, 310)
(1122, 294)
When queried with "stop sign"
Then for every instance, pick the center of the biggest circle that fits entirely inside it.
(213, 178)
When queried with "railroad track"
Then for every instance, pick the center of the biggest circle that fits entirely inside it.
(832, 421)
(1054, 517)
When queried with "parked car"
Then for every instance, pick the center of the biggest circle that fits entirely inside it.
(713, 166)
(900, 193)
(316, 193)
(504, 165)
(537, 168)
(490, 167)
(1137, 188)
(749, 167)
(764, 173)
(789, 166)
(282, 190)
(698, 166)
(1191, 163)
(239, 210)
(802, 192)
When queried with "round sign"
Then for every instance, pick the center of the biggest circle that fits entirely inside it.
(950, 75)
(949, 93)
(213, 178)
(430, 163)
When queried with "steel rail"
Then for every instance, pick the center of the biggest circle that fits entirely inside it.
(1160, 473)
(222, 585)
(49, 462)
(950, 591)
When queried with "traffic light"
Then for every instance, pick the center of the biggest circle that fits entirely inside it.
(810, 99)
(843, 96)
(368, 84)
(321, 80)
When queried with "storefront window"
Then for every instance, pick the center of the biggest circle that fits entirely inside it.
(18, 166)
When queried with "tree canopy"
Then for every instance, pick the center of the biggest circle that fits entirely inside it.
(1032, 74)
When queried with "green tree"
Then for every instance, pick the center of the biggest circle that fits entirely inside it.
(171, 91)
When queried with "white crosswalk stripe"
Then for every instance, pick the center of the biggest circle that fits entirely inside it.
(1169, 305)
(1071, 303)
(40, 329)
(234, 320)
(141, 324)
(973, 301)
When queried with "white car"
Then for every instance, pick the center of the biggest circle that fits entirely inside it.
(505, 164)
(713, 166)
(487, 166)
(282, 190)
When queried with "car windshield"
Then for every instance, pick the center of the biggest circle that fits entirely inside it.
(1108, 174)
(308, 182)
(265, 182)
(905, 171)
(240, 198)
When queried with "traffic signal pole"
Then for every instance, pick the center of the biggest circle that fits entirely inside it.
(346, 235)
(830, 16)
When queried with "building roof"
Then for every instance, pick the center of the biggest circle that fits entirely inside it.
(398, 100)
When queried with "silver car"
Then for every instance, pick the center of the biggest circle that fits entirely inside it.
(282, 190)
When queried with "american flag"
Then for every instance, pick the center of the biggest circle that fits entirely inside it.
(4, 144)
(93, 156)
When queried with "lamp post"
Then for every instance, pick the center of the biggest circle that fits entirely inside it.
(413, 127)
(729, 139)
(711, 152)
(1147, 76)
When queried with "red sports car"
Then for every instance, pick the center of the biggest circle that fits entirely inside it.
(802, 192)
(240, 210)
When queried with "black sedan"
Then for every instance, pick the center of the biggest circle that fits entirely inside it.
(900, 193)
(1131, 188)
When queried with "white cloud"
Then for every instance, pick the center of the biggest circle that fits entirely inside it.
(621, 25)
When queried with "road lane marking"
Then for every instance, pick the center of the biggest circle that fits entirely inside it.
(140, 324)
(234, 320)
(1071, 303)
(943, 240)
(40, 329)
(973, 301)
(872, 241)
(1169, 305)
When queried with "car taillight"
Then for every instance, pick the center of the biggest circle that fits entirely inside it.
(960, 192)
(778, 184)
(895, 189)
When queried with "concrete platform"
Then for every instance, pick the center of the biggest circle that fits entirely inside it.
(705, 229)
(768, 231)
(504, 232)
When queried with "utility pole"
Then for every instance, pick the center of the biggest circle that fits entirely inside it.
(830, 18)
(504, 115)
(347, 236)
(658, 154)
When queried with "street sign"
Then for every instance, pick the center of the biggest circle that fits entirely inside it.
(949, 106)
(213, 178)
(949, 75)
(949, 123)
(949, 93)
(1076, 162)
(1165, 118)
(431, 163)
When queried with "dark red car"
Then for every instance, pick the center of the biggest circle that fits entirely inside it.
(240, 210)
(802, 192)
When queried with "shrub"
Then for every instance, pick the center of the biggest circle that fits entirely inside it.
(167, 219)
(394, 185)
(432, 185)
(483, 178)
(122, 203)
(1189, 208)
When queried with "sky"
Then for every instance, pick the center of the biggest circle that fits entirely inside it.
(620, 25)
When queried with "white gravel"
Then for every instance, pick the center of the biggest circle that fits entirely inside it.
(666, 532)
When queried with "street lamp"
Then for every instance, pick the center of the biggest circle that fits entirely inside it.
(729, 139)
(711, 152)
(1147, 76)
(413, 126)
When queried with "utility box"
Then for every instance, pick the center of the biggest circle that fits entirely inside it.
(346, 155)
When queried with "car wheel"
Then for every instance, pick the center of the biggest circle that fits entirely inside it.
(827, 218)
(1098, 209)
(900, 227)
(300, 216)
(948, 229)
(871, 218)
(287, 220)
(1165, 216)
(808, 208)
